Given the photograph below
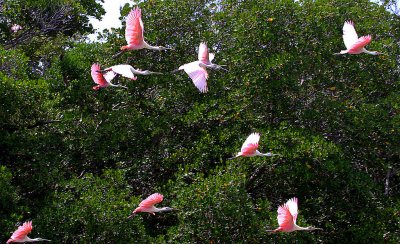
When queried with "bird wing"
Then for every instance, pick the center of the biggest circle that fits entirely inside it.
(203, 53)
(349, 34)
(109, 76)
(211, 56)
(198, 75)
(98, 77)
(360, 43)
(22, 231)
(293, 207)
(250, 145)
(124, 70)
(134, 27)
(151, 200)
(285, 219)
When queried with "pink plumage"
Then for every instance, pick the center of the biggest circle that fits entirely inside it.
(287, 215)
(98, 77)
(355, 45)
(151, 200)
(285, 219)
(21, 233)
(203, 53)
(147, 205)
(134, 28)
(250, 145)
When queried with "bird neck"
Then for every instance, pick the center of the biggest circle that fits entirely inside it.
(371, 52)
(146, 45)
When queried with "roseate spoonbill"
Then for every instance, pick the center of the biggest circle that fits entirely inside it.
(249, 148)
(197, 69)
(354, 44)
(134, 33)
(128, 71)
(21, 234)
(147, 205)
(287, 215)
(102, 80)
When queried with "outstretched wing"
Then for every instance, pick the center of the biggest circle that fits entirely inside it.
(134, 27)
(349, 34)
(22, 231)
(203, 53)
(198, 75)
(285, 218)
(250, 145)
(360, 43)
(293, 207)
(97, 77)
(124, 70)
(151, 200)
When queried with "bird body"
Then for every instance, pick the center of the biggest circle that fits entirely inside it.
(197, 70)
(102, 80)
(134, 33)
(21, 234)
(128, 71)
(249, 148)
(354, 44)
(287, 216)
(147, 205)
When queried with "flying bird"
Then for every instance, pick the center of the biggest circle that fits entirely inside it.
(354, 44)
(102, 80)
(21, 234)
(147, 205)
(128, 71)
(134, 33)
(249, 147)
(197, 70)
(287, 216)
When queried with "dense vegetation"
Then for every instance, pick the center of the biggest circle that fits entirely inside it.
(78, 161)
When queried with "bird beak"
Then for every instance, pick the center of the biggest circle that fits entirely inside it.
(132, 215)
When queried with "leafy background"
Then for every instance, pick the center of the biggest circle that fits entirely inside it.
(78, 161)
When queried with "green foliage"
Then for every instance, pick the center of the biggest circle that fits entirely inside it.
(81, 208)
(78, 161)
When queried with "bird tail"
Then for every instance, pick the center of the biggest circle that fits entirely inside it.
(118, 54)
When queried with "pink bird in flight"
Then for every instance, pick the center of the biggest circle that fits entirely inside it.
(287, 216)
(127, 71)
(102, 80)
(147, 205)
(21, 234)
(134, 33)
(197, 70)
(354, 44)
(249, 148)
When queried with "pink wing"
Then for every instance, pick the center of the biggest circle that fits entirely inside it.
(285, 219)
(203, 53)
(151, 200)
(22, 231)
(293, 207)
(360, 43)
(198, 75)
(98, 77)
(134, 27)
(349, 34)
(251, 144)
